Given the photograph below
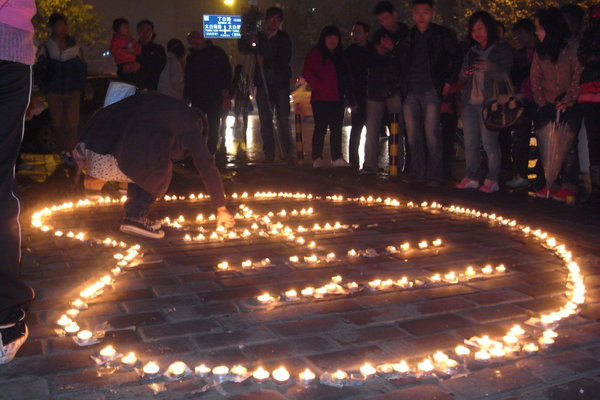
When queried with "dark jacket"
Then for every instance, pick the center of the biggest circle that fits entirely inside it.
(399, 37)
(589, 57)
(207, 73)
(358, 59)
(277, 53)
(444, 53)
(59, 71)
(145, 133)
(384, 78)
(152, 60)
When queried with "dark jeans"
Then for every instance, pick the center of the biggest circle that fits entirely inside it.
(138, 202)
(449, 125)
(591, 117)
(280, 99)
(327, 114)
(15, 87)
(569, 173)
(476, 134)
(64, 111)
(213, 112)
(424, 134)
(375, 120)
(359, 118)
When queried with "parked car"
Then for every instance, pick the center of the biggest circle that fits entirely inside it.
(39, 137)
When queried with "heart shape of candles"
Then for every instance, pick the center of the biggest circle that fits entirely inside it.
(272, 224)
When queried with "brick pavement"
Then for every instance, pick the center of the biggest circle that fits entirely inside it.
(178, 307)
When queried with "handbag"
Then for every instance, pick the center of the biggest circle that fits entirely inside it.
(503, 110)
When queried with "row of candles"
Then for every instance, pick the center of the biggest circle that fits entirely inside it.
(512, 342)
(335, 286)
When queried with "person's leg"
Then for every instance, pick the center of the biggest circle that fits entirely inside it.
(472, 140)
(570, 168)
(520, 149)
(394, 106)
(71, 119)
(591, 117)
(320, 127)
(358, 116)
(284, 127)
(375, 111)
(15, 295)
(336, 120)
(491, 145)
(433, 134)
(504, 141)
(449, 124)
(138, 202)
(213, 116)
(265, 115)
(57, 112)
(413, 117)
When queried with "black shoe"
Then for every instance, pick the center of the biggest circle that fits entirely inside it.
(143, 228)
(367, 171)
(11, 339)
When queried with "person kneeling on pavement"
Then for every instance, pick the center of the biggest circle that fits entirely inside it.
(136, 140)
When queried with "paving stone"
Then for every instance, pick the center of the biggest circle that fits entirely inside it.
(578, 389)
(497, 297)
(89, 379)
(427, 326)
(233, 338)
(556, 367)
(420, 392)
(287, 349)
(308, 326)
(366, 335)
(178, 328)
(30, 389)
(409, 347)
(496, 313)
(350, 358)
(443, 306)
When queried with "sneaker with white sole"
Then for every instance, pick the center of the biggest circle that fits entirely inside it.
(489, 186)
(340, 163)
(318, 162)
(143, 227)
(467, 183)
(12, 338)
(517, 182)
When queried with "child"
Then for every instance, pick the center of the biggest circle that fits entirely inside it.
(124, 49)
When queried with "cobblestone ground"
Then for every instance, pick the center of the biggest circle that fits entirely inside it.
(176, 306)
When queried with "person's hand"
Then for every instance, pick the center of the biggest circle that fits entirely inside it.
(563, 105)
(224, 218)
(468, 71)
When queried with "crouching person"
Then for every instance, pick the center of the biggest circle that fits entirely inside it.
(136, 140)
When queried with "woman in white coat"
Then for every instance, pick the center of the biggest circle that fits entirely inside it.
(171, 80)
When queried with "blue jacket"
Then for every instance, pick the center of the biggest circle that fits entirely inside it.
(59, 71)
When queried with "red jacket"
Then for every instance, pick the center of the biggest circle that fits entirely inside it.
(321, 76)
(119, 48)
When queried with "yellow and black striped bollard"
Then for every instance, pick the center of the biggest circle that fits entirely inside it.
(394, 137)
(299, 146)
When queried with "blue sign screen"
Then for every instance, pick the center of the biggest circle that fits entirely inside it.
(222, 26)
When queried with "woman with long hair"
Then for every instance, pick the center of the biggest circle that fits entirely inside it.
(489, 60)
(555, 75)
(172, 80)
(325, 71)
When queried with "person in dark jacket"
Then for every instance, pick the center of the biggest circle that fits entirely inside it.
(325, 71)
(60, 74)
(207, 82)
(272, 81)
(152, 59)
(144, 134)
(434, 60)
(358, 56)
(589, 92)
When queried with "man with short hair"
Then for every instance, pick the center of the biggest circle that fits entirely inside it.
(152, 59)
(272, 80)
(434, 60)
(207, 82)
(358, 56)
(384, 82)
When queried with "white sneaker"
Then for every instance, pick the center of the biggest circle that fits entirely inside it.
(517, 182)
(9, 351)
(318, 163)
(340, 163)
(467, 183)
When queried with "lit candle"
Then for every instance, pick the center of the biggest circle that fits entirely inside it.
(450, 277)
(497, 351)
(311, 259)
(307, 377)
(151, 368)
(202, 371)
(72, 328)
(374, 284)
(425, 366)
(501, 268)
(462, 351)
(308, 292)
(72, 313)
(487, 270)
(247, 264)
(336, 279)
(470, 272)
(353, 286)
(265, 298)
(64, 320)
(385, 368)
(531, 348)
(437, 242)
(510, 339)
(339, 376)
(239, 370)
(312, 245)
(401, 367)
(291, 294)
(403, 282)
(220, 373)
(391, 249)
(440, 357)
(261, 374)
(482, 355)
(405, 246)
(352, 253)
(435, 278)
(223, 266)
(79, 304)
(84, 335)
(423, 245)
(484, 342)
(281, 375)
(367, 370)
(388, 283)
(108, 352)
(129, 359)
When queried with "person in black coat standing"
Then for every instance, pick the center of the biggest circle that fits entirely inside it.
(207, 82)
(152, 59)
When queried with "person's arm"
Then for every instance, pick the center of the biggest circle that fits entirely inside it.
(500, 70)
(454, 58)
(283, 53)
(225, 74)
(535, 78)
(466, 70)
(120, 52)
(573, 91)
(310, 71)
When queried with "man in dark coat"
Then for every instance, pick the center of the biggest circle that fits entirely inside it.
(207, 82)
(152, 59)
(145, 133)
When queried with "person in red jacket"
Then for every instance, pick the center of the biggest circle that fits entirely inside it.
(124, 49)
(326, 73)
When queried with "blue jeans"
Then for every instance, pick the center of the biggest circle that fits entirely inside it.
(422, 118)
(280, 99)
(375, 113)
(476, 133)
